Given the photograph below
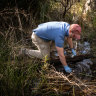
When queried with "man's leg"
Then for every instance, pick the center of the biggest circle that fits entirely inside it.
(43, 48)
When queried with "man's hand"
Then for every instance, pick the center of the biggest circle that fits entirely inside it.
(67, 69)
(73, 52)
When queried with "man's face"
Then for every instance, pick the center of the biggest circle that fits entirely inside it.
(75, 35)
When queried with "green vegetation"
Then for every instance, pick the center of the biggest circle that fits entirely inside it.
(24, 76)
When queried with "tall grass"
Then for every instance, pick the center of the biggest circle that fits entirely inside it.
(17, 77)
(23, 76)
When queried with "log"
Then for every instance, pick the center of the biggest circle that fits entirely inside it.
(70, 59)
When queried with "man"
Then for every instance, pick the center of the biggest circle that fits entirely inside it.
(54, 31)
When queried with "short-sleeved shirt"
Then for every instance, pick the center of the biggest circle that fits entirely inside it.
(55, 31)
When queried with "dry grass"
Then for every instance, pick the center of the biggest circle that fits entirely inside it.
(61, 83)
(55, 81)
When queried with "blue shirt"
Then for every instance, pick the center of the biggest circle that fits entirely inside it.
(55, 31)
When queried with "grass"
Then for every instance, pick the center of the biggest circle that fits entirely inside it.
(17, 77)
(22, 76)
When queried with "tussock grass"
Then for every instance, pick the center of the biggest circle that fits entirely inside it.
(22, 76)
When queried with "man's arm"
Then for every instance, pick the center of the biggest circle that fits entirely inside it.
(61, 55)
(69, 40)
(63, 59)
